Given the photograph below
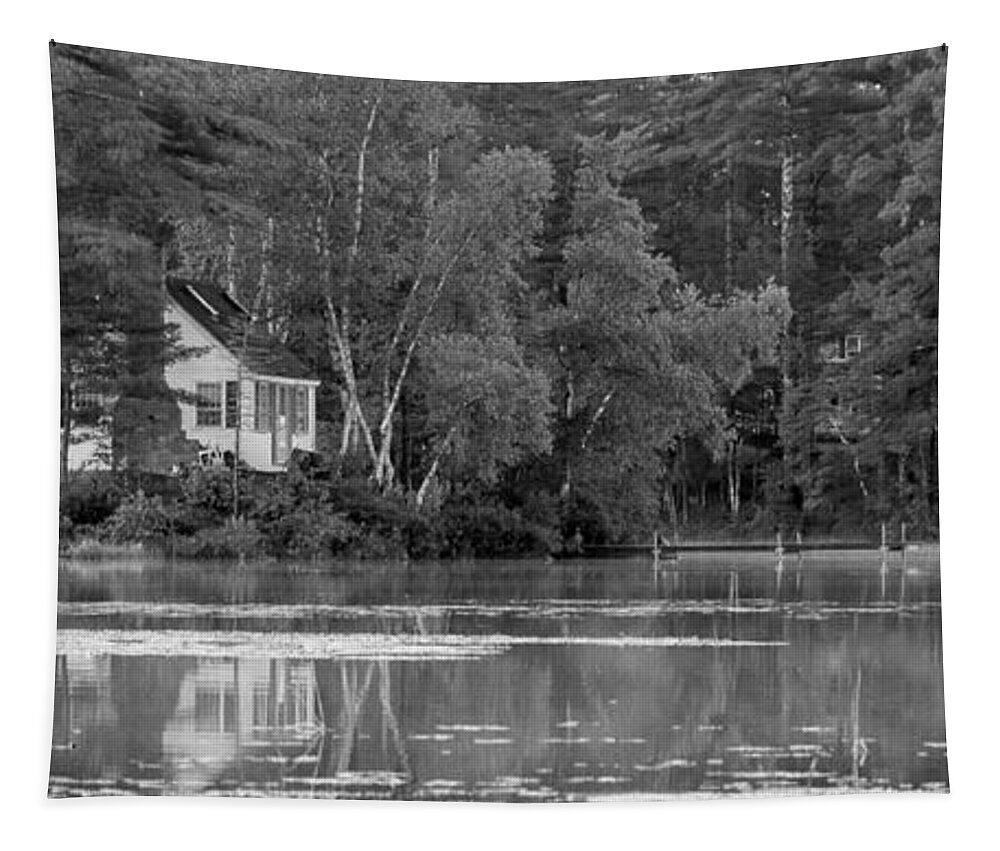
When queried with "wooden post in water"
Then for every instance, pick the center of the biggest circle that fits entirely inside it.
(902, 588)
(798, 543)
(656, 563)
(902, 541)
(885, 561)
(734, 589)
(779, 568)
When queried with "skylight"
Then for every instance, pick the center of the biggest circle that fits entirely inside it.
(201, 301)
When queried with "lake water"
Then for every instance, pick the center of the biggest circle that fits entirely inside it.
(514, 681)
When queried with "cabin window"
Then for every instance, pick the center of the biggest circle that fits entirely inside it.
(264, 407)
(201, 300)
(209, 407)
(84, 400)
(301, 410)
(232, 404)
(852, 346)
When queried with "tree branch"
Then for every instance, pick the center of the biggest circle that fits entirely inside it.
(597, 416)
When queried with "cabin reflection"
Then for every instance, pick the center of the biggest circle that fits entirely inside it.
(234, 713)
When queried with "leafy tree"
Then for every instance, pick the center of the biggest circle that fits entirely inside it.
(488, 409)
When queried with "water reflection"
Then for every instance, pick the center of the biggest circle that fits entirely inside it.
(841, 692)
(851, 580)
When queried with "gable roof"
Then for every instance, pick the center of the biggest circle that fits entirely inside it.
(226, 321)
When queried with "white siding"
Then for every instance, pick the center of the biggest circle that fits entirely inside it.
(89, 449)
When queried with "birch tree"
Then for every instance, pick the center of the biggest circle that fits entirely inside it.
(459, 236)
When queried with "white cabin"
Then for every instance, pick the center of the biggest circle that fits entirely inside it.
(237, 386)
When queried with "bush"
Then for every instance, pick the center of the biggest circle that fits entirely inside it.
(209, 489)
(311, 531)
(425, 537)
(138, 519)
(67, 531)
(487, 531)
(90, 498)
(582, 514)
(235, 539)
(377, 544)
(359, 499)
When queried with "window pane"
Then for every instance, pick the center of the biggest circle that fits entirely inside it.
(209, 407)
(301, 410)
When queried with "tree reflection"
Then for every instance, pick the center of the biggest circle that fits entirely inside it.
(837, 701)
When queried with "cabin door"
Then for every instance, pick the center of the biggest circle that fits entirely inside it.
(282, 424)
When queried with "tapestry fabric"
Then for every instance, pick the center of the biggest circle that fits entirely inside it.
(557, 441)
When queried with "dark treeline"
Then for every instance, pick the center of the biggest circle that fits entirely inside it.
(701, 303)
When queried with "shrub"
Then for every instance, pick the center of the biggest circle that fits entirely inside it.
(359, 499)
(424, 536)
(209, 489)
(377, 544)
(584, 515)
(138, 519)
(492, 530)
(90, 498)
(234, 539)
(310, 531)
(67, 531)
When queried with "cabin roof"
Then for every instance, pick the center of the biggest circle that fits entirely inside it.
(226, 320)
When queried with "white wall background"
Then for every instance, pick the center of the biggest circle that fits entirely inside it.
(511, 40)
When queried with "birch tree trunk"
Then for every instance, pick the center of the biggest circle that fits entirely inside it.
(339, 320)
(787, 181)
(733, 480)
(787, 207)
(384, 471)
(568, 405)
(730, 248)
(356, 428)
(591, 426)
(428, 480)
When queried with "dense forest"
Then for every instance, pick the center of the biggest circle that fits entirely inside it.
(541, 313)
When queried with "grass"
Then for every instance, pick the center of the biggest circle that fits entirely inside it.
(91, 549)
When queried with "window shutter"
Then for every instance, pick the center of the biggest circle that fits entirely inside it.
(232, 404)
